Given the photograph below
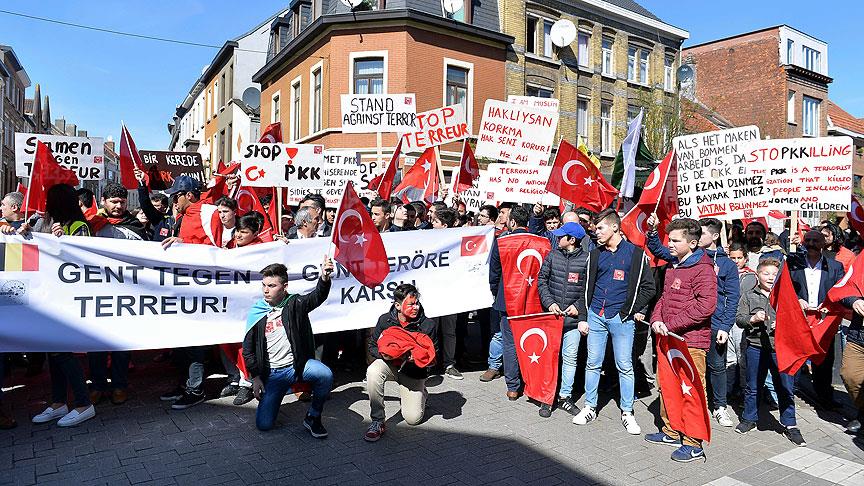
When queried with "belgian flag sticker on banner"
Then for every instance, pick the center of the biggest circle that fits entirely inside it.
(19, 257)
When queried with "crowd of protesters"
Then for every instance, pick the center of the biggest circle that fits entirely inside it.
(714, 295)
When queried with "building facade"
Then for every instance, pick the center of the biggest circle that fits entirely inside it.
(843, 124)
(15, 83)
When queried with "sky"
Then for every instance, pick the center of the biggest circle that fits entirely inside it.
(97, 79)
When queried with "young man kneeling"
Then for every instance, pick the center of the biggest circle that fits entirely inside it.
(279, 346)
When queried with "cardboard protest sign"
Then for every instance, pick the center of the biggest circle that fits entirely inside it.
(534, 102)
(436, 127)
(163, 167)
(712, 176)
(340, 166)
(378, 113)
(804, 174)
(84, 155)
(518, 184)
(474, 197)
(515, 133)
(282, 165)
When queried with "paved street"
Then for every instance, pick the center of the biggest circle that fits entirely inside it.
(473, 435)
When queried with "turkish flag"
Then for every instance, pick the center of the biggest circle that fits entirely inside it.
(421, 182)
(575, 178)
(468, 172)
(201, 225)
(794, 341)
(522, 255)
(856, 216)
(474, 245)
(248, 200)
(538, 348)
(777, 214)
(659, 195)
(46, 173)
(383, 182)
(272, 134)
(851, 285)
(129, 160)
(358, 244)
(824, 326)
(681, 389)
(216, 186)
(763, 221)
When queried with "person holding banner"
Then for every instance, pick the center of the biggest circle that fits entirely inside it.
(162, 224)
(11, 211)
(306, 224)
(279, 347)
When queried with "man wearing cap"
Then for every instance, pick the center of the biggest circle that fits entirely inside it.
(561, 284)
(183, 193)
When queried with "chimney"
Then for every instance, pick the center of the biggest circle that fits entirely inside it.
(71, 129)
(60, 123)
(82, 133)
(109, 145)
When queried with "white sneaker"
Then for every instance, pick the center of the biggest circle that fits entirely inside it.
(629, 422)
(722, 417)
(50, 414)
(74, 417)
(586, 415)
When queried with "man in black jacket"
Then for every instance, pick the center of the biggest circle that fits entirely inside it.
(279, 347)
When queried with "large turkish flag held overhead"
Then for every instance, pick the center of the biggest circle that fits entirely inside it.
(522, 255)
(575, 178)
(359, 247)
(538, 346)
(681, 388)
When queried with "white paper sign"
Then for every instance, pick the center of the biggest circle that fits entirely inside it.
(474, 197)
(712, 176)
(84, 155)
(340, 166)
(535, 102)
(436, 127)
(518, 184)
(378, 113)
(516, 133)
(282, 165)
(804, 174)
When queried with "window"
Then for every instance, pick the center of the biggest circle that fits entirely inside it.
(220, 147)
(583, 56)
(812, 59)
(811, 119)
(275, 108)
(582, 117)
(229, 83)
(669, 73)
(632, 113)
(457, 15)
(606, 128)
(216, 103)
(295, 111)
(637, 64)
(607, 67)
(790, 107)
(539, 92)
(547, 38)
(369, 75)
(631, 64)
(457, 87)
(209, 103)
(222, 94)
(790, 51)
(316, 100)
(643, 66)
(531, 35)
(228, 144)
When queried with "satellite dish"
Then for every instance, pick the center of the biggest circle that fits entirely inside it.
(453, 6)
(563, 33)
(352, 4)
(252, 97)
(685, 74)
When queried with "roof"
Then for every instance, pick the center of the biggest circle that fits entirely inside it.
(699, 118)
(840, 118)
(16, 64)
(633, 7)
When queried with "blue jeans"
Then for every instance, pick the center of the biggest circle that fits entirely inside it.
(569, 353)
(119, 370)
(759, 363)
(511, 364)
(496, 352)
(279, 383)
(599, 328)
(716, 362)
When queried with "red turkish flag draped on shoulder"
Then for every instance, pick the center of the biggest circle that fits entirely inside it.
(575, 178)
(856, 216)
(421, 182)
(202, 226)
(659, 195)
(383, 182)
(794, 341)
(359, 247)
(129, 160)
(538, 347)
(46, 172)
(522, 254)
(468, 171)
(682, 389)
(272, 134)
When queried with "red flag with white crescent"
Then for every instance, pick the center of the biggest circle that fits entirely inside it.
(383, 182)
(522, 254)
(468, 171)
(659, 195)
(794, 340)
(359, 247)
(272, 134)
(682, 389)
(421, 182)
(538, 347)
(856, 216)
(575, 178)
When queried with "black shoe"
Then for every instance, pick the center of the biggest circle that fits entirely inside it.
(229, 391)
(173, 395)
(313, 425)
(244, 396)
(568, 406)
(452, 372)
(745, 426)
(189, 399)
(853, 427)
(794, 435)
(545, 410)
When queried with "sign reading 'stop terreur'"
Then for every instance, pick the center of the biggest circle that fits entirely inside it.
(378, 113)
(515, 133)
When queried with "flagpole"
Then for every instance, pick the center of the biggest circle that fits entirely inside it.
(278, 223)
(539, 314)
(668, 333)
(331, 250)
(440, 169)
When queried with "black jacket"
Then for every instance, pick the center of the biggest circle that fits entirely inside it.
(295, 321)
(162, 226)
(420, 324)
(855, 333)
(562, 281)
(640, 284)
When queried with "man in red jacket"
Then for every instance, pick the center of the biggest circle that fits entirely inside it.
(685, 308)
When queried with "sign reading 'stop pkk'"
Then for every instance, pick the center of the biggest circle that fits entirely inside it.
(804, 174)
(340, 166)
(282, 165)
(510, 183)
(84, 155)
(378, 113)
(164, 167)
(516, 133)
(712, 176)
(534, 101)
(437, 127)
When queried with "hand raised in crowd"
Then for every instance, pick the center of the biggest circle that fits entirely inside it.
(858, 307)
(257, 387)
(57, 229)
(795, 239)
(758, 316)
(583, 327)
(327, 268)
(538, 209)
(652, 221)
(659, 328)
(139, 175)
(722, 337)
(232, 180)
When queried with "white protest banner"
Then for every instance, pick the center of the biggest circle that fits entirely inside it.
(282, 165)
(475, 197)
(516, 133)
(712, 176)
(535, 102)
(436, 127)
(98, 294)
(84, 155)
(518, 184)
(378, 113)
(804, 174)
(340, 166)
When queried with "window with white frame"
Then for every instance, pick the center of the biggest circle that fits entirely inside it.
(457, 87)
(583, 53)
(369, 75)
(582, 117)
(637, 64)
(316, 100)
(669, 73)
(810, 108)
(295, 110)
(222, 94)
(643, 66)
(547, 38)
(632, 113)
(538, 35)
(812, 59)
(790, 107)
(275, 108)
(790, 51)
(606, 127)
(631, 63)
(607, 67)
(216, 104)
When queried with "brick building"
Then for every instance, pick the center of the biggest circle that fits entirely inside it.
(15, 82)
(775, 78)
(841, 123)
